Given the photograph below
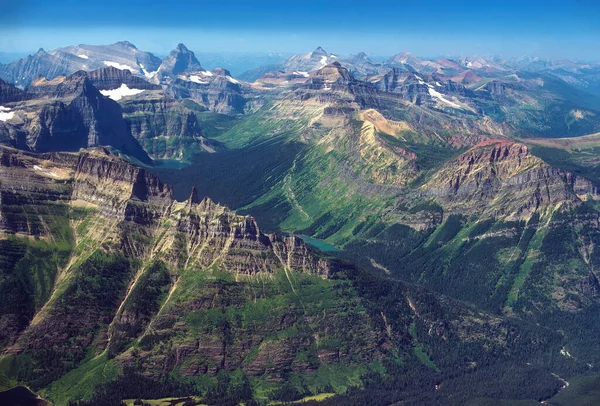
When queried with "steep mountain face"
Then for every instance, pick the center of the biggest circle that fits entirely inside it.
(518, 183)
(165, 127)
(112, 78)
(180, 60)
(195, 291)
(72, 113)
(10, 93)
(404, 83)
(216, 90)
(65, 61)
(65, 114)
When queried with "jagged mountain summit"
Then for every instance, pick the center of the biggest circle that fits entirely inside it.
(180, 60)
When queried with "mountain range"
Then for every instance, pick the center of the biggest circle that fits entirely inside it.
(320, 229)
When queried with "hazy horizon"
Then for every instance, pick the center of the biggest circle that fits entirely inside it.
(546, 29)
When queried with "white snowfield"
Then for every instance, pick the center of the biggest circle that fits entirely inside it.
(149, 75)
(40, 169)
(440, 97)
(323, 61)
(123, 91)
(196, 79)
(84, 56)
(119, 66)
(420, 79)
(305, 74)
(206, 73)
(5, 113)
(232, 80)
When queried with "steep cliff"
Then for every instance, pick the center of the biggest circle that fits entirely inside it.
(65, 114)
(501, 178)
(215, 90)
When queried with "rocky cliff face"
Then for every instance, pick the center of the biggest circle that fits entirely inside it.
(132, 198)
(215, 90)
(501, 178)
(163, 126)
(112, 78)
(180, 60)
(405, 84)
(68, 113)
(122, 210)
(10, 93)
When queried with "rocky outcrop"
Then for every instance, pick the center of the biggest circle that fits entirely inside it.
(112, 78)
(162, 126)
(193, 232)
(68, 113)
(334, 86)
(180, 60)
(405, 84)
(217, 90)
(501, 178)
(10, 93)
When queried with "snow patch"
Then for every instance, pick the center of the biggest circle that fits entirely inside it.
(149, 75)
(206, 73)
(124, 90)
(5, 113)
(40, 169)
(421, 82)
(323, 61)
(469, 64)
(84, 56)
(119, 66)
(305, 74)
(196, 79)
(232, 80)
(438, 84)
(440, 97)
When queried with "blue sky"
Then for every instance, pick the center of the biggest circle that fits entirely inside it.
(550, 28)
